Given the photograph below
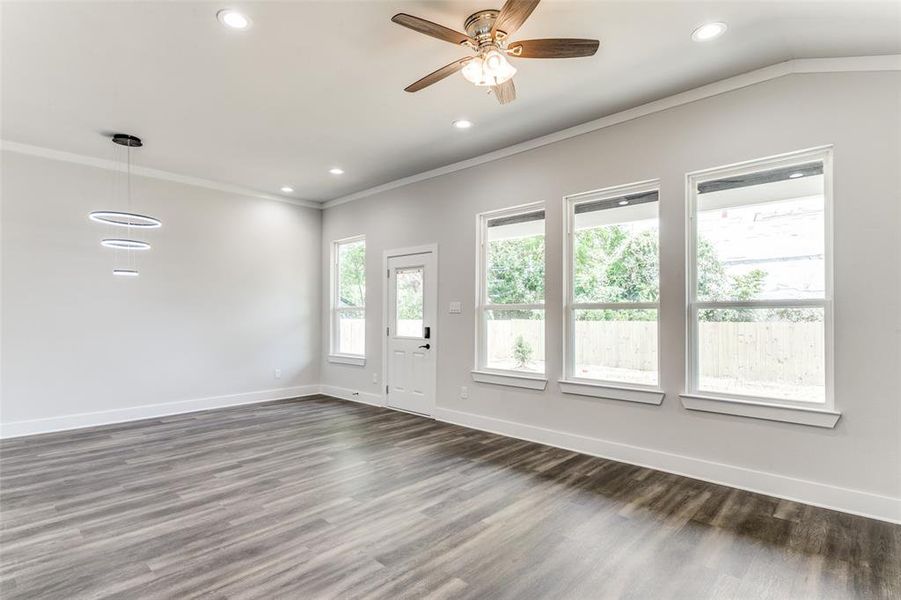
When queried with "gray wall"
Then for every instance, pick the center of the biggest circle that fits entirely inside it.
(228, 293)
(856, 112)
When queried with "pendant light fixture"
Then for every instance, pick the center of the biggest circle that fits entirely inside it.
(127, 218)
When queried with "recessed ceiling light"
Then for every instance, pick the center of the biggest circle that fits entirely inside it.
(125, 272)
(287, 189)
(233, 19)
(462, 124)
(336, 171)
(795, 175)
(708, 31)
(623, 202)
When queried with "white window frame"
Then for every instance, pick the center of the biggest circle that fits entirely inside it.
(334, 355)
(821, 414)
(481, 373)
(571, 384)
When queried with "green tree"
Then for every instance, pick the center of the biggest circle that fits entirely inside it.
(516, 274)
(352, 274)
(613, 264)
(522, 352)
(409, 294)
(741, 287)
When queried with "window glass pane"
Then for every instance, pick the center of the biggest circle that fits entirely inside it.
(616, 345)
(762, 236)
(515, 259)
(764, 352)
(409, 302)
(615, 255)
(515, 340)
(351, 274)
(351, 331)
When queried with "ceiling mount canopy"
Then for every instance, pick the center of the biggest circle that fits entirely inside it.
(487, 34)
(131, 141)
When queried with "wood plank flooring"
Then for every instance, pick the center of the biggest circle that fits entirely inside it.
(320, 498)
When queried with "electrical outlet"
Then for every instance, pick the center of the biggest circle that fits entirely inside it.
(277, 373)
(464, 392)
(375, 378)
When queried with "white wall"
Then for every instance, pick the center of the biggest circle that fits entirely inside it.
(854, 467)
(228, 293)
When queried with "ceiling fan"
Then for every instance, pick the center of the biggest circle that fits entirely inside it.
(487, 34)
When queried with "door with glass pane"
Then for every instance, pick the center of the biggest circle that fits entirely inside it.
(411, 351)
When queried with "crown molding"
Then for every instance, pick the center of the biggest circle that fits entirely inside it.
(112, 165)
(889, 62)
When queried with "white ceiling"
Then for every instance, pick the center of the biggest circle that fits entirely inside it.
(312, 85)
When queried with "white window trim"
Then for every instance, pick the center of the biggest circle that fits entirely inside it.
(791, 411)
(511, 379)
(610, 391)
(813, 416)
(334, 355)
(601, 388)
(347, 359)
(480, 373)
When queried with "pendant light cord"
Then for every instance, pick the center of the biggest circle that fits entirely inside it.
(128, 253)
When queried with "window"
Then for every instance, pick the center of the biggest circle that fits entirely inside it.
(510, 311)
(760, 314)
(613, 287)
(349, 298)
(409, 302)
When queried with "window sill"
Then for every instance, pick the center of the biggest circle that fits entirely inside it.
(611, 391)
(347, 359)
(531, 382)
(815, 417)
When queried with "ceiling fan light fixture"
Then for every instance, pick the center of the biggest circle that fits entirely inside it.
(492, 68)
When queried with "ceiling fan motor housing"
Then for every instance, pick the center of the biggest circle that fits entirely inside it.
(478, 25)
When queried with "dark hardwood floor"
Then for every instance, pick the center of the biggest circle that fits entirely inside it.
(320, 498)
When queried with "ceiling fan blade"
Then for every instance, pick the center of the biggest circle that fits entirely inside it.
(505, 92)
(427, 27)
(513, 14)
(438, 75)
(553, 48)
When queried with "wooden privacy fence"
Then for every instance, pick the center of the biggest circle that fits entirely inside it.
(777, 351)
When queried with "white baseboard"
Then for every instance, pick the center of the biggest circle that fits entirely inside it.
(352, 395)
(866, 504)
(884, 508)
(135, 413)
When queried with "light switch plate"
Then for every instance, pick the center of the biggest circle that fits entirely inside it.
(455, 308)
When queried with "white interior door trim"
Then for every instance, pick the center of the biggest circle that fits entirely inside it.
(387, 254)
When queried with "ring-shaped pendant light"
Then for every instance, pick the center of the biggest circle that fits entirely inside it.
(123, 244)
(124, 219)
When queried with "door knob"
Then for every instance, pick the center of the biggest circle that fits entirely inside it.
(426, 346)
